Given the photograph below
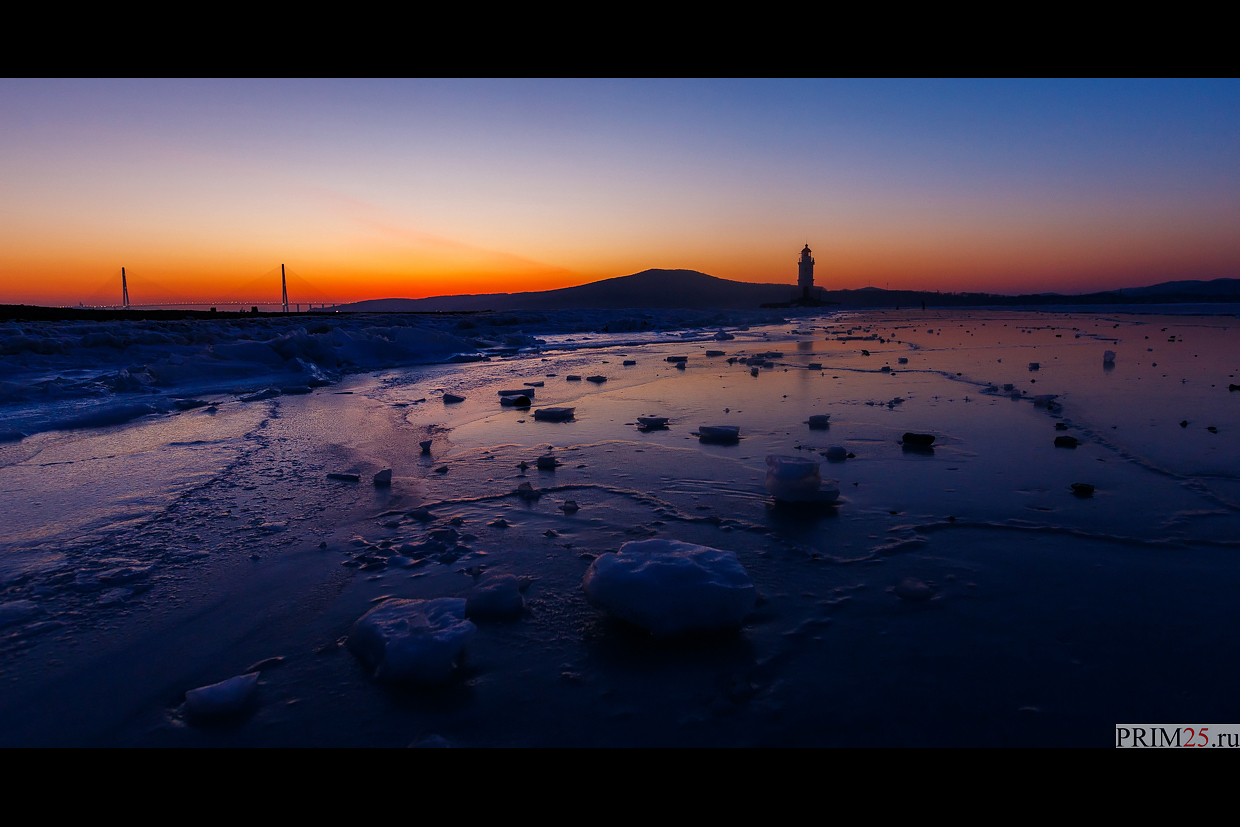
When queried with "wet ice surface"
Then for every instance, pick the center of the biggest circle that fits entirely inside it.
(958, 594)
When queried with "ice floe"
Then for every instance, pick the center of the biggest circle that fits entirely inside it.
(669, 588)
(797, 480)
(415, 641)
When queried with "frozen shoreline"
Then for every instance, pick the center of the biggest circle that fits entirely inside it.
(69, 375)
(186, 547)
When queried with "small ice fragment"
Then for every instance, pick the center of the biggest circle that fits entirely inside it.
(865, 353)
(723, 434)
(676, 359)
(412, 640)
(421, 514)
(713, 353)
(124, 574)
(837, 453)
(526, 492)
(680, 366)
(903, 360)
(547, 463)
(344, 477)
(820, 421)
(570, 507)
(295, 390)
(537, 384)
(814, 366)
(443, 469)
(554, 414)
(221, 698)
(515, 401)
(1043, 400)
(597, 379)
(16, 611)
(572, 377)
(384, 477)
(1082, 489)
(671, 588)
(1066, 442)
(1108, 358)
(1034, 366)
(452, 398)
(912, 590)
(922, 440)
(723, 337)
(753, 371)
(1009, 387)
(267, 663)
(426, 446)
(629, 362)
(497, 596)
(885, 369)
(651, 423)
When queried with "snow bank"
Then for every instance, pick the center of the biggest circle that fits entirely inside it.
(671, 588)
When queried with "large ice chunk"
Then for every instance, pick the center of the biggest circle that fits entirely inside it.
(412, 640)
(797, 480)
(671, 588)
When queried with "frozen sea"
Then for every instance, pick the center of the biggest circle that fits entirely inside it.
(160, 534)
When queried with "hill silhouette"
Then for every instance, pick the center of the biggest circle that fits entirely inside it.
(661, 289)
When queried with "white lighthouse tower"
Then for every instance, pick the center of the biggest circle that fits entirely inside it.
(805, 273)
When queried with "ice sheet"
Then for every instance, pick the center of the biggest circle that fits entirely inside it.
(1043, 608)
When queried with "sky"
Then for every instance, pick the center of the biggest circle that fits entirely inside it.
(201, 189)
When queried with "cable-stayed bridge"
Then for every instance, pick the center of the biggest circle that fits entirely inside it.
(263, 289)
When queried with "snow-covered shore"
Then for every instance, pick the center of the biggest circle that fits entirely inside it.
(65, 375)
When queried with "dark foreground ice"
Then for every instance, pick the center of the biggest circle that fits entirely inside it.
(961, 592)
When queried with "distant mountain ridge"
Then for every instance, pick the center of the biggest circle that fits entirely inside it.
(655, 289)
(693, 290)
(1214, 287)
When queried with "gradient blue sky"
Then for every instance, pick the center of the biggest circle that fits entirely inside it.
(414, 188)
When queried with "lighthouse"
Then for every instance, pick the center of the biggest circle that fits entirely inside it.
(805, 273)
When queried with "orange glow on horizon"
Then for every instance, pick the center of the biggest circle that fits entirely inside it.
(376, 261)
